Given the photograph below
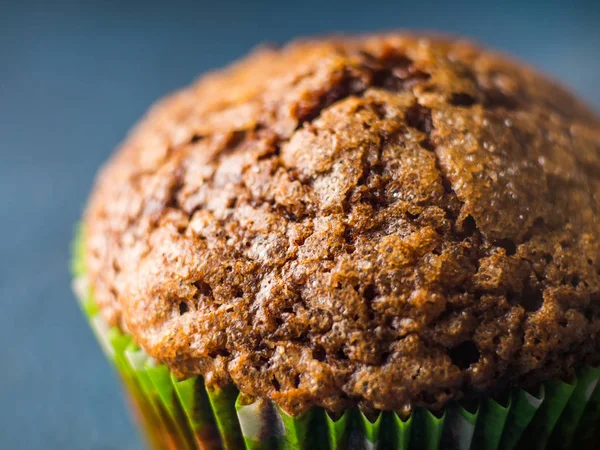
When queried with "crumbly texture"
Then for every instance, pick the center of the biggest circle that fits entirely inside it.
(385, 221)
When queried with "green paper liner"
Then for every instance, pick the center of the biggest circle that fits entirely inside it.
(371, 430)
(557, 394)
(586, 432)
(184, 415)
(149, 400)
(337, 430)
(490, 424)
(459, 428)
(296, 430)
(524, 405)
(399, 431)
(564, 431)
(196, 405)
(427, 430)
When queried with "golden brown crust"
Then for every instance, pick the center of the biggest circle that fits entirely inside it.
(387, 221)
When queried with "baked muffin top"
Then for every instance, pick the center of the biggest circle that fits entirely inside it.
(386, 221)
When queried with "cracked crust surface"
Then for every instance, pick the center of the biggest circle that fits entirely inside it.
(389, 221)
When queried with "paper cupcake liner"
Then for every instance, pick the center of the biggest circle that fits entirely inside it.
(185, 415)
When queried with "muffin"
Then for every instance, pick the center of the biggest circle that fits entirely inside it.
(382, 241)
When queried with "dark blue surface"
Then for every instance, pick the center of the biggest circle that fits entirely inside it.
(74, 77)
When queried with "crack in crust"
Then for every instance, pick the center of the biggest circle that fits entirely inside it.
(386, 221)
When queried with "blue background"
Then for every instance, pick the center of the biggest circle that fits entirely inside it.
(73, 79)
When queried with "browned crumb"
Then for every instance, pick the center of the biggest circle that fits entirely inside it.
(387, 221)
